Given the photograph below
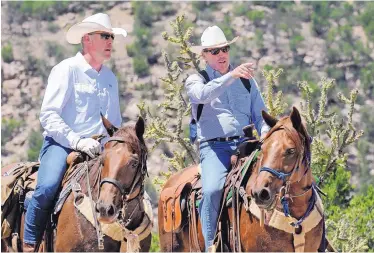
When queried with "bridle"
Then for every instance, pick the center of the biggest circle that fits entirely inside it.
(128, 193)
(302, 158)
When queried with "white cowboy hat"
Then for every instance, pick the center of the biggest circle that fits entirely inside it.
(94, 23)
(212, 37)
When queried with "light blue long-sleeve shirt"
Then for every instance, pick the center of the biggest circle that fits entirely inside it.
(228, 107)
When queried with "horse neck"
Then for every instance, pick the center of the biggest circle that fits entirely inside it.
(298, 205)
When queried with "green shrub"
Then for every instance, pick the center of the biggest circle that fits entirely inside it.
(255, 16)
(53, 28)
(143, 36)
(198, 6)
(7, 53)
(337, 13)
(295, 41)
(37, 67)
(8, 128)
(141, 66)
(283, 26)
(367, 19)
(367, 79)
(320, 15)
(143, 12)
(359, 216)
(336, 73)
(333, 55)
(55, 50)
(259, 38)
(35, 144)
(132, 49)
(240, 9)
(42, 10)
(155, 244)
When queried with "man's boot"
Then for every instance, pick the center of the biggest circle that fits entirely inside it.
(28, 247)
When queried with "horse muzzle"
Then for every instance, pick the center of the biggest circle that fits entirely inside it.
(107, 213)
(263, 197)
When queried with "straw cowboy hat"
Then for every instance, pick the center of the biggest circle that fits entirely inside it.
(94, 23)
(212, 37)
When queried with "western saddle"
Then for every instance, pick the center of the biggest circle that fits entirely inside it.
(180, 201)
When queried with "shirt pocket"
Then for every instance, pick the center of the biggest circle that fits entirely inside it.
(86, 99)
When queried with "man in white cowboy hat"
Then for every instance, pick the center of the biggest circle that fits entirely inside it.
(223, 102)
(79, 89)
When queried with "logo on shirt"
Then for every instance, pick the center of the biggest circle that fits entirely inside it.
(85, 88)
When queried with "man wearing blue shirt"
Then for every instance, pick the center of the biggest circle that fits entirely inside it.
(79, 89)
(228, 107)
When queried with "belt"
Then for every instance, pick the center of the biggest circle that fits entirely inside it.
(231, 138)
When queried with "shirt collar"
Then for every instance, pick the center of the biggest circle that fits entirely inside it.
(214, 73)
(82, 62)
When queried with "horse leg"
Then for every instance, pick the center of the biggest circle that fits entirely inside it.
(145, 244)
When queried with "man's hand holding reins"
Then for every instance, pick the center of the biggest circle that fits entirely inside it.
(89, 146)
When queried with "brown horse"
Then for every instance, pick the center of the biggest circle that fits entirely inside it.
(278, 208)
(116, 179)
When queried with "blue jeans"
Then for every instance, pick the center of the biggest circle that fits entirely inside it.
(51, 171)
(215, 164)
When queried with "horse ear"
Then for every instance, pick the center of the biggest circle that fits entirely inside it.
(269, 120)
(140, 127)
(296, 119)
(108, 126)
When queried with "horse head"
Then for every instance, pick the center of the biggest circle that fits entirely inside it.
(123, 173)
(284, 162)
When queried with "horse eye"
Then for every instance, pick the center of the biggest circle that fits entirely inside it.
(134, 165)
(290, 151)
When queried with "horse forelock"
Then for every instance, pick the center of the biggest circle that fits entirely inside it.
(128, 133)
(300, 137)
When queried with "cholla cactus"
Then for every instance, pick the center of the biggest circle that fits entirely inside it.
(175, 106)
(328, 146)
(344, 236)
(275, 106)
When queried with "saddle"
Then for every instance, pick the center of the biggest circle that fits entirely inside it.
(174, 198)
(186, 192)
(18, 181)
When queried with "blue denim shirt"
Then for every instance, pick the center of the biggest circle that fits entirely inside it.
(228, 107)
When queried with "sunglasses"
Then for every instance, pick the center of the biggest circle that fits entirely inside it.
(215, 51)
(105, 36)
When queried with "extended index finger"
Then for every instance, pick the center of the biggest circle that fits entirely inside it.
(248, 65)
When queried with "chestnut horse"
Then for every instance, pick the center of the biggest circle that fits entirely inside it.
(116, 180)
(279, 182)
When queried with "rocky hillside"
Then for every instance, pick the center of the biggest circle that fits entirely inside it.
(308, 40)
